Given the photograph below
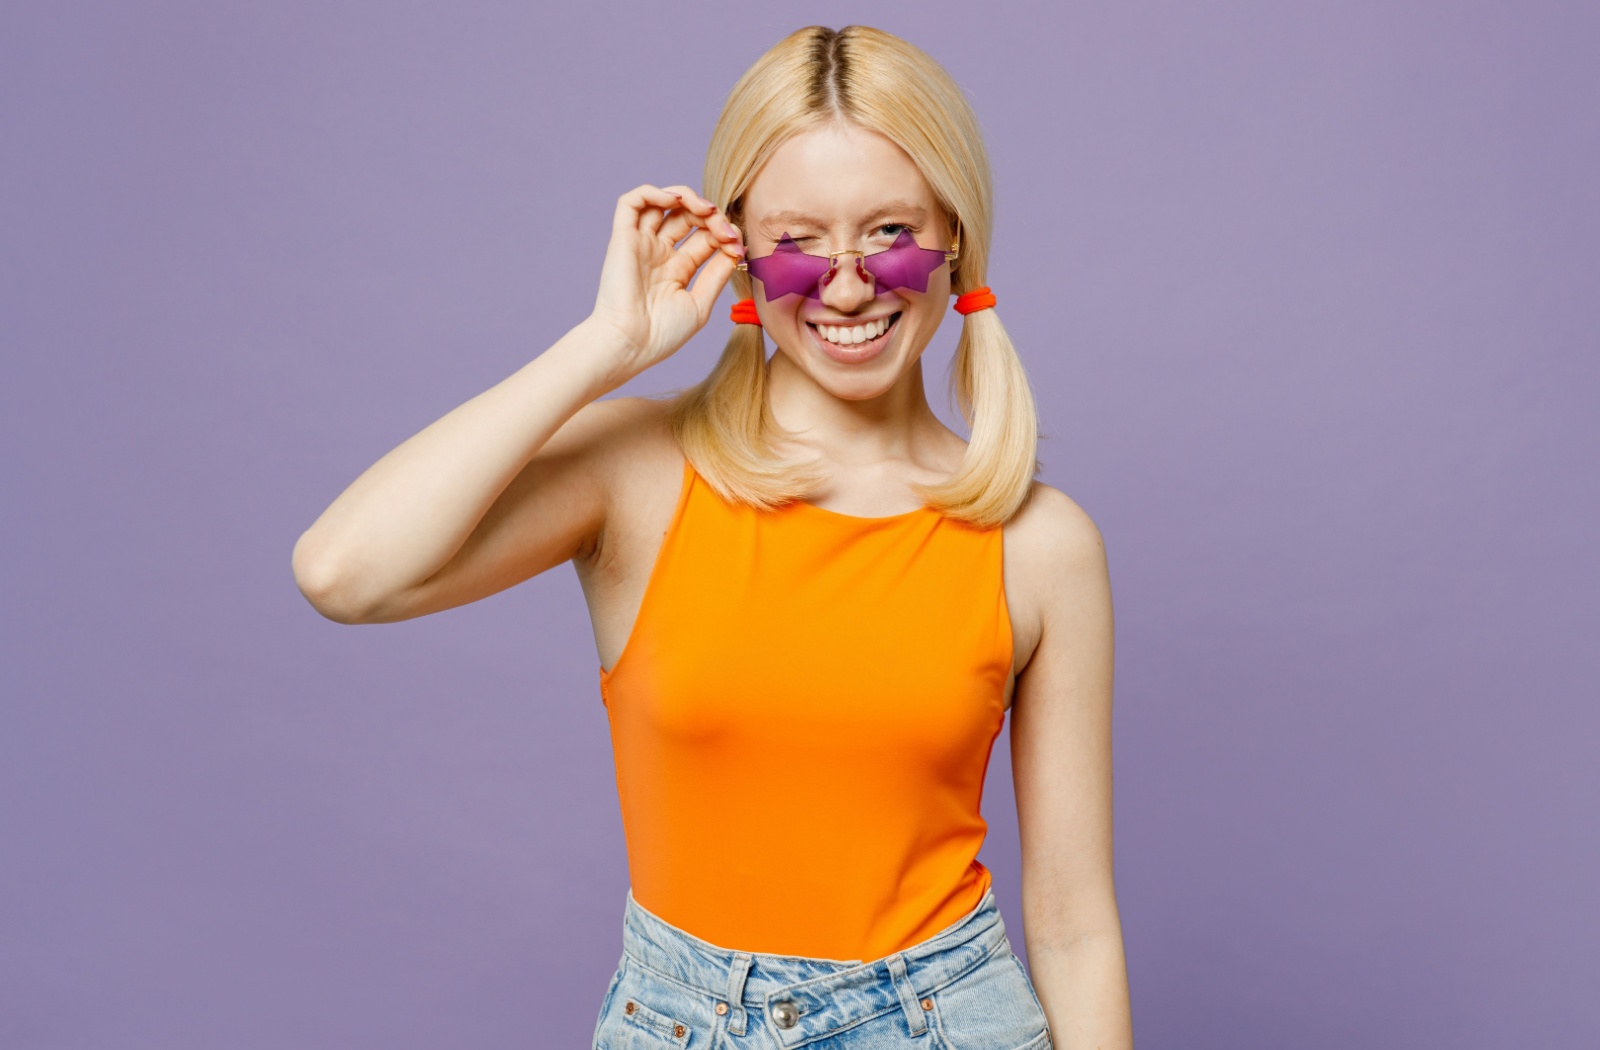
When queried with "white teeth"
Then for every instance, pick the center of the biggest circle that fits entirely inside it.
(850, 336)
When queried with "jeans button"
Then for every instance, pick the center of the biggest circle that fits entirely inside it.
(784, 1014)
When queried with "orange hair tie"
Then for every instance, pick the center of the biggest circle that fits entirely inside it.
(744, 312)
(977, 299)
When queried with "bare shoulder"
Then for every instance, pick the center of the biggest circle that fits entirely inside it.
(578, 473)
(632, 432)
(617, 423)
(1054, 560)
(1052, 532)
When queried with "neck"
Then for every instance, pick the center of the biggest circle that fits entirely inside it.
(896, 424)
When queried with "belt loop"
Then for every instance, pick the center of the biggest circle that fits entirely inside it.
(908, 995)
(736, 978)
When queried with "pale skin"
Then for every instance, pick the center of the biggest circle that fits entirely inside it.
(538, 470)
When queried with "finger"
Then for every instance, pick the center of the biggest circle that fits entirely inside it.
(695, 207)
(700, 247)
(708, 284)
(711, 267)
(693, 200)
(632, 205)
(650, 219)
(678, 224)
(680, 221)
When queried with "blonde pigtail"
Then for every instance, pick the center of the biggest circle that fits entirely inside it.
(991, 390)
(724, 424)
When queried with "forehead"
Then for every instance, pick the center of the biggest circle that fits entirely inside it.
(838, 175)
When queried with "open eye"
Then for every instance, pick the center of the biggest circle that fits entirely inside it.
(896, 226)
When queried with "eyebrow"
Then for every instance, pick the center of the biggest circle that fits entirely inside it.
(907, 208)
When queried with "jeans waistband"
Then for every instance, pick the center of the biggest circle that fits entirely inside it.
(823, 995)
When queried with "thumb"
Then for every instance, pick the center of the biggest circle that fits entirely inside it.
(709, 282)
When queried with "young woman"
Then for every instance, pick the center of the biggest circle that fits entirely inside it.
(813, 603)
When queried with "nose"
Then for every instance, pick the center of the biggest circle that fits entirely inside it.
(850, 286)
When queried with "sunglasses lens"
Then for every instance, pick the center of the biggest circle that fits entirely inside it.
(905, 264)
(789, 271)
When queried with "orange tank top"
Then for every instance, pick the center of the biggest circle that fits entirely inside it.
(802, 720)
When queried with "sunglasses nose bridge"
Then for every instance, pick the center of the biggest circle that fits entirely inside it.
(861, 265)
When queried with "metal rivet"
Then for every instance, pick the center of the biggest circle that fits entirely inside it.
(927, 1004)
(784, 1014)
(722, 1008)
(629, 1008)
(677, 1031)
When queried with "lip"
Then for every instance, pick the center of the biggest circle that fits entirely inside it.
(859, 352)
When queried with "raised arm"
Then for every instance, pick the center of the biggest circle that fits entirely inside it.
(511, 483)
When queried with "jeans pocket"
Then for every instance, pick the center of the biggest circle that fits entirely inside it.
(990, 1007)
(644, 1013)
(653, 1024)
(1032, 992)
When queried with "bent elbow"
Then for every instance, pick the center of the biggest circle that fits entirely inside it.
(322, 584)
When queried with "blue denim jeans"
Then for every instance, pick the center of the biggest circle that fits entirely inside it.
(961, 989)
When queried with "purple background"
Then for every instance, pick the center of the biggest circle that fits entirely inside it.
(1308, 295)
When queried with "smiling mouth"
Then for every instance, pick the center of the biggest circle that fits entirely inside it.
(847, 344)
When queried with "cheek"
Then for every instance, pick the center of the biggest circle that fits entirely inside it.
(925, 317)
(785, 320)
(784, 328)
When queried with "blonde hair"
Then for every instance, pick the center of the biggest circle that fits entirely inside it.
(876, 81)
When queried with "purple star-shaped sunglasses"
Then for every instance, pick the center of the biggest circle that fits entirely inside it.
(904, 264)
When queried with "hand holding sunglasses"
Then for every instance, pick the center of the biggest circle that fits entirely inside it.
(645, 302)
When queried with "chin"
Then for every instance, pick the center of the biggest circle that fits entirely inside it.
(862, 382)
(860, 389)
